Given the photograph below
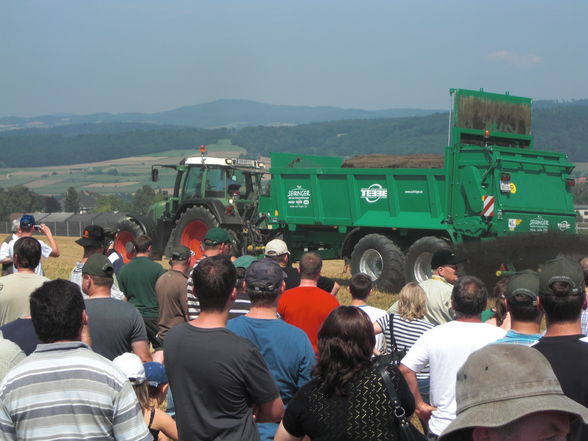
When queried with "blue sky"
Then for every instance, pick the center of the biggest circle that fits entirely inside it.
(83, 56)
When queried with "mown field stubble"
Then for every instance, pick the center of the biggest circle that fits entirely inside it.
(72, 252)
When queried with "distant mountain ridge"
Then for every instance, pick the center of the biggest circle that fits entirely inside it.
(560, 128)
(225, 113)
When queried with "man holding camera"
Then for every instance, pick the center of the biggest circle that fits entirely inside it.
(27, 228)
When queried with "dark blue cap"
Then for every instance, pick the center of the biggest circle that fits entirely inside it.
(27, 221)
(155, 373)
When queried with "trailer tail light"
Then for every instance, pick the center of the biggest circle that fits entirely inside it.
(570, 182)
(505, 182)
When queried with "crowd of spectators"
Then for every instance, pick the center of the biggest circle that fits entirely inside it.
(220, 347)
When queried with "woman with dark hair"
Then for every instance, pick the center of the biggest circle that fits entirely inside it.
(347, 398)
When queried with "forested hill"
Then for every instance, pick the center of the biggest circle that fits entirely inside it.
(561, 128)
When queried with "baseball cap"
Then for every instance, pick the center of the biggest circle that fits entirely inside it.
(181, 252)
(276, 247)
(445, 257)
(214, 236)
(98, 265)
(565, 270)
(155, 373)
(130, 364)
(522, 287)
(501, 383)
(93, 236)
(244, 261)
(264, 275)
(27, 221)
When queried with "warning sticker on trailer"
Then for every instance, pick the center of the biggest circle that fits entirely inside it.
(299, 197)
(513, 224)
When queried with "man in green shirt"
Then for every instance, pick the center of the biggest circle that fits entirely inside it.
(137, 280)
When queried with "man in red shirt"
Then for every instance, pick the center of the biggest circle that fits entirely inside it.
(307, 306)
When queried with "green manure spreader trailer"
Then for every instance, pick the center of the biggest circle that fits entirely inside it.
(495, 199)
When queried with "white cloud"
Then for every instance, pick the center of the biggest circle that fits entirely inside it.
(514, 58)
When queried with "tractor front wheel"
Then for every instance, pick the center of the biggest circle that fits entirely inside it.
(190, 230)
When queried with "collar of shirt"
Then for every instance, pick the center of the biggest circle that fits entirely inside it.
(47, 347)
(440, 279)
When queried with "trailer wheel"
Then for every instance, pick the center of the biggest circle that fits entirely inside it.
(418, 257)
(379, 258)
(127, 230)
(190, 230)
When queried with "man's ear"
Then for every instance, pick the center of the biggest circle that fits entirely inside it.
(84, 318)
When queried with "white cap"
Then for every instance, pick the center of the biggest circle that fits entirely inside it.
(276, 247)
(132, 367)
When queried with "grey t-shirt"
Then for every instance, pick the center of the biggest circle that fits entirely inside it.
(114, 325)
(215, 377)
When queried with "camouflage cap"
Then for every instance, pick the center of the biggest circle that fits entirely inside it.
(181, 252)
(565, 270)
(98, 265)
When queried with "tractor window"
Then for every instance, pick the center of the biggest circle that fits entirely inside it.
(193, 183)
(216, 183)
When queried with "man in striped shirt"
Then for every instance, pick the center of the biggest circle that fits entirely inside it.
(63, 390)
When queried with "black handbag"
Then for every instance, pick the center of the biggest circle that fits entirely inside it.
(406, 430)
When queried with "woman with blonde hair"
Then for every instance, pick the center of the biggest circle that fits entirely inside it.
(402, 330)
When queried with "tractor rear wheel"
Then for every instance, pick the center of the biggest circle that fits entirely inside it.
(190, 230)
(127, 231)
(418, 257)
(379, 258)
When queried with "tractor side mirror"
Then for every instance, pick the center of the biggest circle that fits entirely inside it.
(154, 174)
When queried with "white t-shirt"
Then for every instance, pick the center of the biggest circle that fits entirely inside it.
(7, 250)
(375, 314)
(446, 348)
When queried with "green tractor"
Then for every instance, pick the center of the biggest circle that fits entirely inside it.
(208, 192)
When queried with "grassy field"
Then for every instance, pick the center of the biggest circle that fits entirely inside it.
(72, 252)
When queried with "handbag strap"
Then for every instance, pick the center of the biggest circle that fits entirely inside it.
(392, 338)
(399, 411)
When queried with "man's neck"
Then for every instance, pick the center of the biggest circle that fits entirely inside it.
(142, 255)
(180, 268)
(263, 312)
(474, 319)
(308, 282)
(99, 293)
(209, 320)
(25, 271)
(358, 302)
(525, 327)
(563, 328)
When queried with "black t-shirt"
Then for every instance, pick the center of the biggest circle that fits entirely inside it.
(364, 414)
(293, 280)
(568, 356)
(215, 377)
(22, 332)
(114, 325)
